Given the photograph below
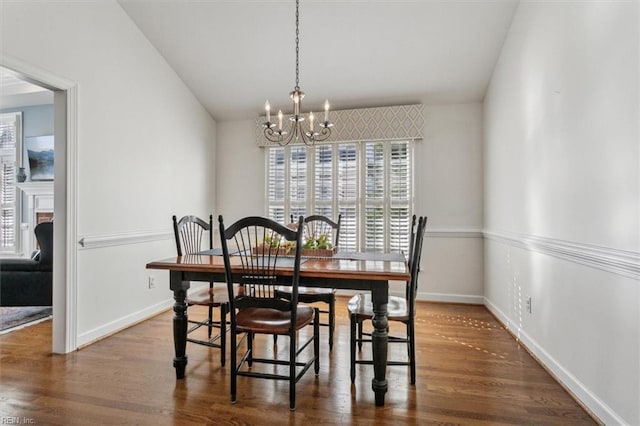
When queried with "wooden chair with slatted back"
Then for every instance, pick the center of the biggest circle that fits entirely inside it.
(314, 226)
(189, 232)
(259, 246)
(399, 309)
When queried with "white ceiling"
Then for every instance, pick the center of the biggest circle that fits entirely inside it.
(15, 92)
(234, 55)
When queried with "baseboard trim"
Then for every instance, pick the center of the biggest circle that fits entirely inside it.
(467, 299)
(596, 407)
(621, 262)
(110, 328)
(110, 240)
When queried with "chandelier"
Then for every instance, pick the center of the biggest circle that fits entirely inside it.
(297, 131)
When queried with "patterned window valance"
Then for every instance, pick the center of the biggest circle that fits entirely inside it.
(403, 122)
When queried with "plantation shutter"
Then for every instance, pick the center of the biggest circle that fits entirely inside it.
(374, 197)
(323, 181)
(276, 184)
(298, 181)
(10, 135)
(347, 195)
(400, 190)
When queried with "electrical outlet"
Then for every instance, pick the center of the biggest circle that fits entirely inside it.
(152, 282)
(529, 304)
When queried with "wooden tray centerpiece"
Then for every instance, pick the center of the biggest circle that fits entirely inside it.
(319, 246)
(313, 247)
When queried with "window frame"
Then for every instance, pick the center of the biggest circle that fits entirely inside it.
(360, 203)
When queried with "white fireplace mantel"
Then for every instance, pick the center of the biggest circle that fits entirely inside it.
(34, 188)
(39, 199)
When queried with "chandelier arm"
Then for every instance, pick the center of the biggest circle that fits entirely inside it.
(323, 134)
(288, 140)
(272, 135)
(296, 132)
(282, 137)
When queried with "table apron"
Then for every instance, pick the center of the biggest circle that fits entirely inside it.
(338, 283)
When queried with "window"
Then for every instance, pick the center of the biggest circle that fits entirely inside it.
(369, 183)
(10, 157)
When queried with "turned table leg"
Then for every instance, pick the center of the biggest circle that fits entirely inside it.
(379, 337)
(180, 318)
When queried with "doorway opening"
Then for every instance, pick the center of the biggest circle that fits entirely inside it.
(64, 110)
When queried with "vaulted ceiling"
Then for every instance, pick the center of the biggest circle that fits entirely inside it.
(235, 55)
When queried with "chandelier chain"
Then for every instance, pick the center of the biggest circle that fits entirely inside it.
(297, 48)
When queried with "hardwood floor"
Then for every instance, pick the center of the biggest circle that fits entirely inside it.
(470, 371)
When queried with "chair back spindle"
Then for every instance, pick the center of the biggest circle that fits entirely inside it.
(259, 245)
(316, 225)
(189, 232)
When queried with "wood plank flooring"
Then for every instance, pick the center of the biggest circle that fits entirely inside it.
(470, 371)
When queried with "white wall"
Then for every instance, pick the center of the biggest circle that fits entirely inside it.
(562, 196)
(145, 150)
(240, 171)
(449, 191)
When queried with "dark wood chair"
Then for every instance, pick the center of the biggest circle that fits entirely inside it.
(399, 309)
(189, 233)
(313, 226)
(260, 245)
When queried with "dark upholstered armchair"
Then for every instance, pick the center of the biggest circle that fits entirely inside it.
(28, 282)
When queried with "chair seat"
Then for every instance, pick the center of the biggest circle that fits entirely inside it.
(272, 321)
(215, 296)
(362, 306)
(316, 290)
(309, 294)
(309, 290)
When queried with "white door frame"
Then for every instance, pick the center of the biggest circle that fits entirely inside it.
(65, 199)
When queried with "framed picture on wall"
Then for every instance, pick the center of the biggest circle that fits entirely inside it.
(40, 155)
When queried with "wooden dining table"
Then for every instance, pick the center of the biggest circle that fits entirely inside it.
(361, 271)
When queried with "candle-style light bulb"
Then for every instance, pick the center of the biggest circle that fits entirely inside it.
(279, 119)
(326, 110)
(311, 121)
(267, 107)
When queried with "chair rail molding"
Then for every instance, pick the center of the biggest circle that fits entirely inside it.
(119, 239)
(621, 262)
(454, 233)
